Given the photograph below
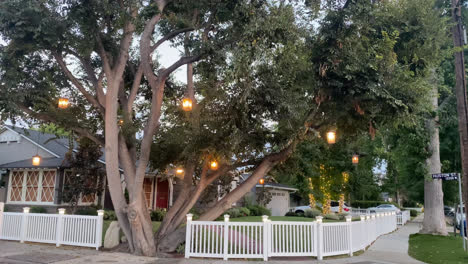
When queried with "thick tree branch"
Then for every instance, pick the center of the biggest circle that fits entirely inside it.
(91, 99)
(170, 36)
(182, 61)
(125, 45)
(135, 87)
(104, 58)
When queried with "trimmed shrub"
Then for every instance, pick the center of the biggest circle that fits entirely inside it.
(233, 212)
(331, 217)
(158, 215)
(110, 215)
(258, 210)
(290, 214)
(311, 213)
(38, 210)
(244, 211)
(86, 211)
(413, 213)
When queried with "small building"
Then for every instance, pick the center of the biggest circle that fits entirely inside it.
(280, 194)
(280, 197)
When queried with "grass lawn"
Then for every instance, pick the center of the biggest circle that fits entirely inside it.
(437, 249)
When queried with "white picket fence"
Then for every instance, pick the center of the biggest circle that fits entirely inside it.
(59, 229)
(403, 217)
(280, 238)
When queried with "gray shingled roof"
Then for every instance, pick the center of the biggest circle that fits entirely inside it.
(54, 144)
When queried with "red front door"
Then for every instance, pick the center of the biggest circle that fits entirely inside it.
(162, 194)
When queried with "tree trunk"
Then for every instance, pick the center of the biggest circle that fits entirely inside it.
(460, 91)
(434, 218)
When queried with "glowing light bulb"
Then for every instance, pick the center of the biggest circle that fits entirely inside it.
(187, 104)
(36, 160)
(214, 165)
(331, 137)
(63, 103)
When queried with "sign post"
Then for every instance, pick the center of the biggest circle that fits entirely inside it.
(452, 177)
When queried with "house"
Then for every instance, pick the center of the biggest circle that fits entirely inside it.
(280, 194)
(23, 184)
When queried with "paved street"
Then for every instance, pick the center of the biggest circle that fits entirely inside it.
(391, 248)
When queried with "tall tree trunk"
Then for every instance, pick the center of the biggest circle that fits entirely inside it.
(434, 218)
(460, 88)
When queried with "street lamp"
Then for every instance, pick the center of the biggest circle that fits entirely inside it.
(261, 181)
(187, 104)
(331, 137)
(355, 159)
(63, 103)
(36, 160)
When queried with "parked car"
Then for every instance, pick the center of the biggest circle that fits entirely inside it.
(334, 207)
(384, 208)
(449, 211)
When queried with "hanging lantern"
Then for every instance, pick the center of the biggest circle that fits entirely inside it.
(355, 159)
(63, 103)
(261, 181)
(214, 165)
(179, 171)
(331, 137)
(36, 160)
(121, 122)
(187, 104)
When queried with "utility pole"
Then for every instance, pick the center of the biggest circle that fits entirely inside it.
(460, 88)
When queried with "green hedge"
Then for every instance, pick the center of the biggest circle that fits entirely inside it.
(367, 204)
(38, 210)
(413, 213)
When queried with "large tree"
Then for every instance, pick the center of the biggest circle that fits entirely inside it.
(266, 81)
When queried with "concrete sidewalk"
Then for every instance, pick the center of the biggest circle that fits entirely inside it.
(388, 249)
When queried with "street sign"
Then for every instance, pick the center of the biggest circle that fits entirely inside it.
(445, 176)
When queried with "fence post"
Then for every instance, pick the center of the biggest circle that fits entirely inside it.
(59, 234)
(265, 237)
(99, 229)
(226, 236)
(320, 237)
(348, 222)
(2, 209)
(368, 230)
(24, 224)
(362, 233)
(380, 226)
(188, 237)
